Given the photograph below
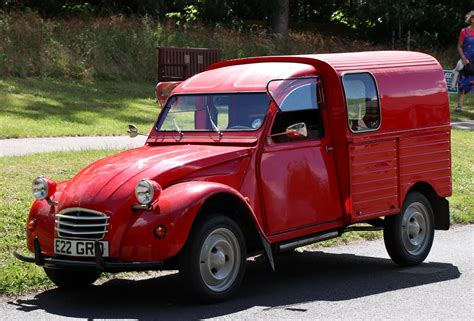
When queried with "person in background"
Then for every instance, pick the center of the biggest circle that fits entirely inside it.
(466, 52)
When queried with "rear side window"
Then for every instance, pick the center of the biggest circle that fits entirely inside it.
(362, 102)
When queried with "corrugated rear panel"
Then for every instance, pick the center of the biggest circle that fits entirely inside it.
(426, 158)
(374, 177)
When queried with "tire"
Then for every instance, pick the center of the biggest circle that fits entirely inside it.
(212, 264)
(409, 235)
(72, 279)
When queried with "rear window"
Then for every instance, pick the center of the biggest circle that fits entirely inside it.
(362, 102)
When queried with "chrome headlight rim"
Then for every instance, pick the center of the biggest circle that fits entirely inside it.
(147, 191)
(40, 188)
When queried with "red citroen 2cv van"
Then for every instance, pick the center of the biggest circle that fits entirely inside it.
(259, 155)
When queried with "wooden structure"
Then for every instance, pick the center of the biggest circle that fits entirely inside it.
(175, 64)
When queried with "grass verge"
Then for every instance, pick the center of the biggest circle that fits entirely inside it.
(15, 199)
(45, 107)
(467, 110)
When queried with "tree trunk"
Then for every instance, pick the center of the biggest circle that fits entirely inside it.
(280, 18)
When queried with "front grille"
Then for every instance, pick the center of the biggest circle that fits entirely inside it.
(81, 223)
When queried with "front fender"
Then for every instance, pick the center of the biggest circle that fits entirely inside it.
(44, 215)
(176, 209)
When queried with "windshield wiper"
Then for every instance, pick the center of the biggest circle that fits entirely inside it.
(177, 127)
(216, 129)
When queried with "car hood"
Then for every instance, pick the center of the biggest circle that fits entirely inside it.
(112, 180)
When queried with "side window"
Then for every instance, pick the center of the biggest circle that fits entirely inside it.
(362, 102)
(299, 103)
(300, 98)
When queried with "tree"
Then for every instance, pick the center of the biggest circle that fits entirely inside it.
(280, 16)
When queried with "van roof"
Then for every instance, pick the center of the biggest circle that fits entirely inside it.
(248, 77)
(253, 74)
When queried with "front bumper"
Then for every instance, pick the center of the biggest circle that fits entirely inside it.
(98, 263)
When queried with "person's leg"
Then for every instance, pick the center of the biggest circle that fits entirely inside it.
(460, 101)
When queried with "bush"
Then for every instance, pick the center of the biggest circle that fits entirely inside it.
(122, 47)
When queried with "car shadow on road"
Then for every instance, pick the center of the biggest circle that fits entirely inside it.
(299, 278)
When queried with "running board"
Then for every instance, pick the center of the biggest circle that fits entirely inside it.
(363, 228)
(305, 241)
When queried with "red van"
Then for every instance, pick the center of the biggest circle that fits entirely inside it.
(259, 155)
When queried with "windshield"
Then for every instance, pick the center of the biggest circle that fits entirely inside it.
(214, 112)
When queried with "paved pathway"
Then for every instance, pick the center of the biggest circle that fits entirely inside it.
(24, 146)
(464, 124)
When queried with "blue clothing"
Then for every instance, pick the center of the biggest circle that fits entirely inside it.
(466, 83)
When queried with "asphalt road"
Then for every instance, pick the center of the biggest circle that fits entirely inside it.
(356, 281)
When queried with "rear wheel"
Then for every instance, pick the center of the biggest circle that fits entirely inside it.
(72, 279)
(213, 261)
(409, 235)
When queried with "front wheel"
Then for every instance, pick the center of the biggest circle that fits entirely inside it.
(409, 235)
(212, 264)
(72, 279)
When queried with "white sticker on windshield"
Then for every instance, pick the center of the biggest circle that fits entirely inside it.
(257, 123)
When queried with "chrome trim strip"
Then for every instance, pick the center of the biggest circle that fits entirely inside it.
(82, 225)
(80, 233)
(104, 217)
(96, 220)
(80, 209)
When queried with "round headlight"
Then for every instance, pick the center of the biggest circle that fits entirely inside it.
(147, 191)
(43, 188)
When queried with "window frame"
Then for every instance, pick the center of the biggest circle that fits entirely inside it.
(320, 104)
(346, 103)
(320, 101)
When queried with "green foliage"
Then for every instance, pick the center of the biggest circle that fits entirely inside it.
(189, 14)
(431, 24)
(124, 48)
(354, 23)
(106, 48)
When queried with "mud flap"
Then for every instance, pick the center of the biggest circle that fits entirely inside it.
(441, 213)
(268, 252)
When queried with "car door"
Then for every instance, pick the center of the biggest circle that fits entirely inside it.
(298, 180)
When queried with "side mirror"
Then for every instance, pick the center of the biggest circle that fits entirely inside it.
(297, 130)
(132, 131)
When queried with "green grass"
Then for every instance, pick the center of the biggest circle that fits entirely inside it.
(15, 200)
(462, 201)
(45, 107)
(37, 107)
(467, 110)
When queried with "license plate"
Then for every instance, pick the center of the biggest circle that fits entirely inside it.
(79, 247)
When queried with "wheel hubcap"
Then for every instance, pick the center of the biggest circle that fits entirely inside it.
(220, 259)
(415, 228)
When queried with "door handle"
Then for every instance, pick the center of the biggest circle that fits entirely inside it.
(329, 149)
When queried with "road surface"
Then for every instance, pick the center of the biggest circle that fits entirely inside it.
(356, 281)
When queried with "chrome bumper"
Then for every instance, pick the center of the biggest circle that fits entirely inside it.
(98, 263)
